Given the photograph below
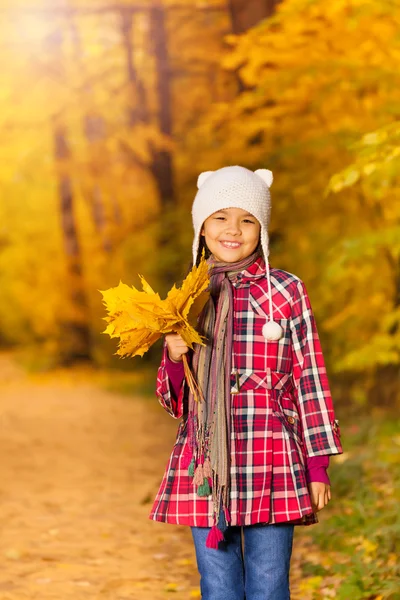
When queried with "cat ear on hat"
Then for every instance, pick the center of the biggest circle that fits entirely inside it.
(266, 175)
(202, 177)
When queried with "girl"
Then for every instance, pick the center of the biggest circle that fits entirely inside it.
(249, 462)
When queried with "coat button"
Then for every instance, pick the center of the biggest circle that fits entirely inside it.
(291, 420)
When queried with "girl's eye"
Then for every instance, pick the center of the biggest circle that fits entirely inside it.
(221, 218)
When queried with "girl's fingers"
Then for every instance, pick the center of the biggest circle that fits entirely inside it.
(320, 497)
(323, 500)
(180, 344)
(173, 336)
(314, 500)
(176, 345)
(324, 497)
(327, 495)
(177, 349)
(174, 340)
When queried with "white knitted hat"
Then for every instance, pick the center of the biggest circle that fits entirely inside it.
(237, 187)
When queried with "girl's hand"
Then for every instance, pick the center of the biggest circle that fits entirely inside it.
(176, 347)
(320, 494)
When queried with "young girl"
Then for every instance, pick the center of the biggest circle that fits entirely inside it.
(249, 462)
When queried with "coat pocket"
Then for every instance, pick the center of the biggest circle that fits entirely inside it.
(260, 304)
(276, 353)
(287, 413)
(245, 379)
(291, 423)
(258, 332)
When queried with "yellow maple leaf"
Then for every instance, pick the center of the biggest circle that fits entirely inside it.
(140, 318)
(195, 283)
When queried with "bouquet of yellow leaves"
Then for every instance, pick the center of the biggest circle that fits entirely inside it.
(140, 318)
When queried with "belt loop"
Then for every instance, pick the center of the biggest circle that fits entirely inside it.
(269, 379)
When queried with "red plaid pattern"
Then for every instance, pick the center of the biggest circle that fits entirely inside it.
(281, 413)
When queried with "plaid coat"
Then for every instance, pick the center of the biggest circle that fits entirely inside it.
(281, 412)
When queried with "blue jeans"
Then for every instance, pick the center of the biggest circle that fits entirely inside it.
(260, 573)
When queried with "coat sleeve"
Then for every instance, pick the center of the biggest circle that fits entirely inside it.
(174, 406)
(321, 432)
(317, 469)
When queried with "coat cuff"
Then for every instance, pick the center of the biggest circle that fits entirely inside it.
(176, 373)
(316, 469)
(318, 475)
(173, 405)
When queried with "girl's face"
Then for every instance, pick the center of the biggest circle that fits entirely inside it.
(231, 234)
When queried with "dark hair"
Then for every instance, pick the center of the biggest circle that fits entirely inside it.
(207, 254)
(202, 246)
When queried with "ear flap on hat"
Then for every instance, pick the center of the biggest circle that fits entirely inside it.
(265, 175)
(202, 177)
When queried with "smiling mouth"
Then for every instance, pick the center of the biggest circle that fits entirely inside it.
(231, 245)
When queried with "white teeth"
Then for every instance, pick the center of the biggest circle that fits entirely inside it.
(230, 244)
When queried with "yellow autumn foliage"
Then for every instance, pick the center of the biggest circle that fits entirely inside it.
(140, 318)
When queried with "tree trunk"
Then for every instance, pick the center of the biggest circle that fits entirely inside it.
(138, 112)
(162, 166)
(247, 13)
(244, 15)
(93, 127)
(75, 331)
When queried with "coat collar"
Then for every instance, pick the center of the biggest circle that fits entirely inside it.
(252, 273)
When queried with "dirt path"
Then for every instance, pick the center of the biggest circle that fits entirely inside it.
(79, 469)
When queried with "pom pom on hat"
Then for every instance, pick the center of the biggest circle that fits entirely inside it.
(272, 331)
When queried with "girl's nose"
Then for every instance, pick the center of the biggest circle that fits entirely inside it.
(233, 228)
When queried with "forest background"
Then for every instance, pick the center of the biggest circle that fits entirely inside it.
(110, 110)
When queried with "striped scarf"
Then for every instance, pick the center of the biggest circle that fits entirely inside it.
(209, 421)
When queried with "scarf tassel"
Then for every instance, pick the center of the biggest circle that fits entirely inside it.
(214, 538)
(198, 478)
(191, 468)
(224, 519)
(204, 489)
(207, 468)
(216, 534)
